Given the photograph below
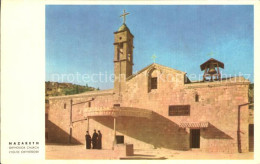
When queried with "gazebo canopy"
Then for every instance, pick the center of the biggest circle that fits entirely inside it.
(194, 125)
(117, 112)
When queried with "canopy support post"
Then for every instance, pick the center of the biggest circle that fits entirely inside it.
(88, 123)
(114, 142)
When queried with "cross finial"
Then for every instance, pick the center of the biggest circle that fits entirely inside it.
(124, 15)
(154, 57)
(210, 54)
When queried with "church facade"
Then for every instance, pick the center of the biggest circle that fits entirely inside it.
(158, 107)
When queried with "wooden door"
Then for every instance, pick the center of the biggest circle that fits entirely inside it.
(251, 137)
(195, 138)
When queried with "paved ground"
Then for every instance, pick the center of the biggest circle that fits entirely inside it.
(79, 152)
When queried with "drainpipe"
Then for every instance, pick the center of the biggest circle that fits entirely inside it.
(114, 142)
(71, 122)
(71, 101)
(238, 127)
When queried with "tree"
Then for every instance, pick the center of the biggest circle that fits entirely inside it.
(77, 89)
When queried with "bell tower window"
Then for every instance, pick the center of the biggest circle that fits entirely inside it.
(119, 51)
(118, 56)
(129, 57)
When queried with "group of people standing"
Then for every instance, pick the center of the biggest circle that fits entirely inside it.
(96, 140)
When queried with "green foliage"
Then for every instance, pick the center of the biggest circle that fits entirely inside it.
(77, 89)
(60, 89)
(70, 91)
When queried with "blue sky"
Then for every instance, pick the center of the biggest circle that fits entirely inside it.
(79, 39)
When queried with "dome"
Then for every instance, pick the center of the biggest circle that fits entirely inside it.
(123, 28)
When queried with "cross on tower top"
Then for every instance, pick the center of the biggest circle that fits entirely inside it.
(211, 54)
(154, 57)
(124, 15)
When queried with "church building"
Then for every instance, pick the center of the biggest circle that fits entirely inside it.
(157, 107)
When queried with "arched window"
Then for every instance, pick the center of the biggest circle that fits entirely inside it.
(196, 97)
(152, 80)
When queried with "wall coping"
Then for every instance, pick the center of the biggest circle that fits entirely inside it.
(85, 94)
(226, 82)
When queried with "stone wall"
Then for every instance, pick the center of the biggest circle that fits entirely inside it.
(218, 104)
(59, 115)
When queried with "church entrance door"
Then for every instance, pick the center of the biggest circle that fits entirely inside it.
(195, 138)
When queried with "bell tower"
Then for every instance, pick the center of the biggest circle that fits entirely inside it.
(209, 68)
(123, 56)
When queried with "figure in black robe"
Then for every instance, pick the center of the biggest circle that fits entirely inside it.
(99, 140)
(88, 140)
(94, 139)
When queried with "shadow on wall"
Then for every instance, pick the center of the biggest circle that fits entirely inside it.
(214, 133)
(158, 131)
(57, 135)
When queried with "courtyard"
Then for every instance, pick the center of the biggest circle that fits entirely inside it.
(79, 152)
